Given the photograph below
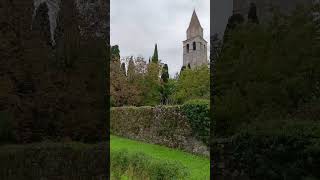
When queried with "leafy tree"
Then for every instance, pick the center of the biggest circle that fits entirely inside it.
(118, 83)
(135, 81)
(193, 84)
(167, 91)
(152, 85)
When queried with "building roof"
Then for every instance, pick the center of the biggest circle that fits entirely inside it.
(194, 20)
(194, 28)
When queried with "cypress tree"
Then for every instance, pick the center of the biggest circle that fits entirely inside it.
(155, 55)
(165, 73)
(131, 70)
(233, 21)
(115, 52)
(252, 14)
(123, 68)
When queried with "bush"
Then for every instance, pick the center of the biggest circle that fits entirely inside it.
(6, 128)
(140, 166)
(198, 114)
(263, 71)
(53, 161)
(288, 152)
(163, 125)
(192, 83)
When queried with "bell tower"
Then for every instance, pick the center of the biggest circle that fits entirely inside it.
(195, 47)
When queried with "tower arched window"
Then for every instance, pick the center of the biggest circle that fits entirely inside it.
(187, 48)
(194, 46)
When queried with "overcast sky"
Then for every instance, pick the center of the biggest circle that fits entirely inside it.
(136, 25)
(221, 11)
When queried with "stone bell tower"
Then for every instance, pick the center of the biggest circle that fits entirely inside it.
(195, 47)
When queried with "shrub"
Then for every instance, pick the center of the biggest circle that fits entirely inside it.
(192, 83)
(163, 125)
(263, 71)
(6, 128)
(140, 166)
(198, 114)
(288, 152)
(53, 161)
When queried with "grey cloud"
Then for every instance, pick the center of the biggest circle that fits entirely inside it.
(136, 25)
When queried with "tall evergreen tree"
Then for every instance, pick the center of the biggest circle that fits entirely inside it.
(233, 21)
(131, 70)
(252, 14)
(115, 52)
(123, 68)
(165, 73)
(155, 58)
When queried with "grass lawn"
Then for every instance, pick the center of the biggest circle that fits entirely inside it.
(199, 166)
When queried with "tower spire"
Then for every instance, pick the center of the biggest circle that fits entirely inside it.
(194, 28)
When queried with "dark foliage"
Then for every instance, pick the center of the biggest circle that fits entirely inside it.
(233, 21)
(141, 166)
(164, 125)
(267, 71)
(252, 14)
(165, 73)
(182, 68)
(197, 112)
(155, 58)
(61, 161)
(288, 153)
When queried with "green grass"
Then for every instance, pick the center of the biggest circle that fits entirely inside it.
(199, 166)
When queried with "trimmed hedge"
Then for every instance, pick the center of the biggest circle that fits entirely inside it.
(198, 114)
(292, 152)
(163, 125)
(140, 166)
(54, 161)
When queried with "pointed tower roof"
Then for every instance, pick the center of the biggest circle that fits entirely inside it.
(194, 28)
(194, 20)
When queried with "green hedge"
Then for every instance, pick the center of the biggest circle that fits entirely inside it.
(6, 128)
(140, 166)
(54, 161)
(164, 125)
(173, 126)
(291, 152)
(198, 114)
